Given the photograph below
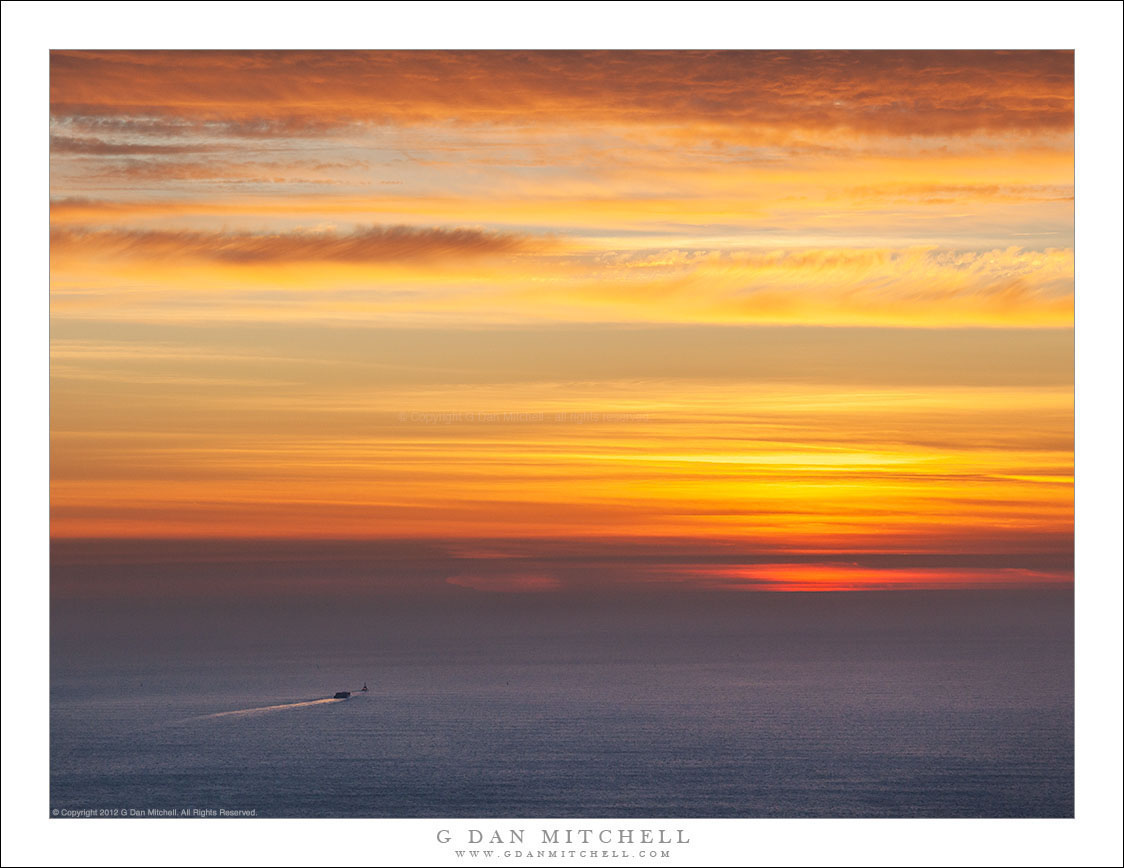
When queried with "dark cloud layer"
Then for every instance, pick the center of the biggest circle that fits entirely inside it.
(92, 568)
(299, 92)
(371, 244)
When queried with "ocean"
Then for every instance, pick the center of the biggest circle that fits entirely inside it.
(897, 704)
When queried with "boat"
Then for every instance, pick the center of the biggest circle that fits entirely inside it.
(364, 690)
(343, 694)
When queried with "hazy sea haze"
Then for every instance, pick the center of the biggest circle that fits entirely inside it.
(897, 704)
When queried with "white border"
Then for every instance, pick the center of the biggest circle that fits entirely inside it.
(31, 29)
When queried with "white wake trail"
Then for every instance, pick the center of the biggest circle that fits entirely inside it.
(262, 709)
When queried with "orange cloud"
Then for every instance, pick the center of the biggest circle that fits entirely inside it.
(294, 92)
(797, 308)
(372, 244)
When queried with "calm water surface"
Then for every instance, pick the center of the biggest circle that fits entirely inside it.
(849, 713)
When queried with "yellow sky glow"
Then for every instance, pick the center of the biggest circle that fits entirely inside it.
(831, 312)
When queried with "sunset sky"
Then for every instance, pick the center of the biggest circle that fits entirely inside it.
(529, 322)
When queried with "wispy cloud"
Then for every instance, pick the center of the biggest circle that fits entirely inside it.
(884, 92)
(372, 244)
(88, 145)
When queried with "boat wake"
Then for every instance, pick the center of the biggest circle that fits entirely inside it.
(264, 709)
